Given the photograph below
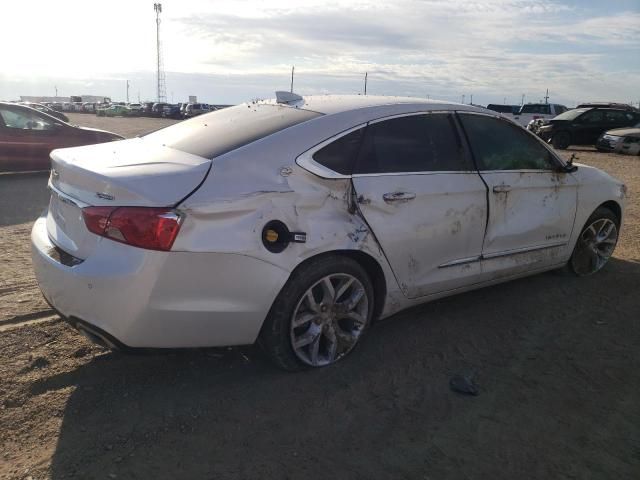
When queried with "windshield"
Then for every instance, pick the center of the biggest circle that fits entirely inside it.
(219, 132)
(571, 114)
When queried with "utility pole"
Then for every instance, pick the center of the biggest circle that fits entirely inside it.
(546, 97)
(522, 102)
(462, 98)
(56, 87)
(293, 68)
(366, 74)
(471, 101)
(127, 91)
(161, 86)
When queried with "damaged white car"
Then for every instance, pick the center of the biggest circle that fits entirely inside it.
(296, 222)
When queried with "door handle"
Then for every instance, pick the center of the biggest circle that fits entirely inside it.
(501, 188)
(398, 196)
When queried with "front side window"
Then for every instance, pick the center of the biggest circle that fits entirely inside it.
(24, 120)
(500, 145)
(417, 143)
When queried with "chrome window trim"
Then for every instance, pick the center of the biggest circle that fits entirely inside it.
(411, 114)
(528, 170)
(397, 174)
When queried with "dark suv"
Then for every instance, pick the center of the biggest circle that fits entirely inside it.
(583, 126)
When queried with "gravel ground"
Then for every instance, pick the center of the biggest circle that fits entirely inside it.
(556, 358)
(127, 127)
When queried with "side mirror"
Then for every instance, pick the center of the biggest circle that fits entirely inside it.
(569, 167)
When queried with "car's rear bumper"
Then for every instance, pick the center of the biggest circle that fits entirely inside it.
(146, 299)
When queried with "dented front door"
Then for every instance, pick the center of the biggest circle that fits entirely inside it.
(532, 203)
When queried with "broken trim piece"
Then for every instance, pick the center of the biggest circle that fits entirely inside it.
(461, 261)
(490, 256)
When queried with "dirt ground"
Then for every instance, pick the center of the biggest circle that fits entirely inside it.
(556, 358)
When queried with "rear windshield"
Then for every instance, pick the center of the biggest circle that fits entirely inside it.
(571, 114)
(219, 132)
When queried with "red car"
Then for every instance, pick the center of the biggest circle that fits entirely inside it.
(27, 136)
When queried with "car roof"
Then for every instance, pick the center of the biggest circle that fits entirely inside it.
(331, 104)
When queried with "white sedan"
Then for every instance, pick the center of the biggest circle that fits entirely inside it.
(298, 221)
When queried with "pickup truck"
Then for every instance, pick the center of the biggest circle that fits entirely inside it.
(535, 111)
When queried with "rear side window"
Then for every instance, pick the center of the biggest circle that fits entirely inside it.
(216, 133)
(534, 108)
(500, 145)
(617, 117)
(417, 143)
(340, 155)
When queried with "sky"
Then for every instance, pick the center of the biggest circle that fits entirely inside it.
(231, 51)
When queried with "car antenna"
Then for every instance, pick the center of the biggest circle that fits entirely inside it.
(287, 97)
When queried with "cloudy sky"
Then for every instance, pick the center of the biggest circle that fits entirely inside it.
(232, 51)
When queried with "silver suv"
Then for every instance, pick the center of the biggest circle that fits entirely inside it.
(195, 109)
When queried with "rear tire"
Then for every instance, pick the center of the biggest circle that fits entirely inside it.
(312, 322)
(596, 243)
(561, 140)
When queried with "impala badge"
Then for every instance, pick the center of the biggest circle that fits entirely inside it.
(105, 196)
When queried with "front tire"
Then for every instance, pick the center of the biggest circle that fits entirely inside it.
(596, 243)
(561, 140)
(320, 315)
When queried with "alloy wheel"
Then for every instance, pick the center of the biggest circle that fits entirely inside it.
(595, 247)
(329, 319)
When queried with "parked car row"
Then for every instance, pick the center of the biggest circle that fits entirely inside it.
(524, 114)
(45, 109)
(607, 126)
(157, 109)
(610, 127)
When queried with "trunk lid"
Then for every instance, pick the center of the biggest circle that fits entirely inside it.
(133, 172)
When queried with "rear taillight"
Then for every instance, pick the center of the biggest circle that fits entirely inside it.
(145, 227)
